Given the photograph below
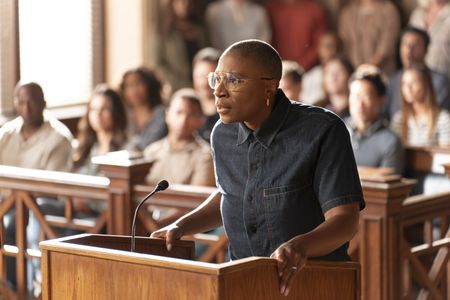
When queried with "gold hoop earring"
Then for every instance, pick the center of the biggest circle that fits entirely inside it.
(267, 102)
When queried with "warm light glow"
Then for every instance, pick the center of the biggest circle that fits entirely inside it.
(56, 48)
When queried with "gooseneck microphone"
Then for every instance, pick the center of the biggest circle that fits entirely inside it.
(161, 186)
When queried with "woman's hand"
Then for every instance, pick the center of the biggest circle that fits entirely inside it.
(170, 233)
(290, 259)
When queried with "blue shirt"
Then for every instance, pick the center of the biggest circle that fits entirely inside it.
(278, 181)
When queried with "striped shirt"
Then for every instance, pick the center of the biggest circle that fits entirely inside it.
(418, 130)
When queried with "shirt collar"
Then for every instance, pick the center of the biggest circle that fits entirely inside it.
(374, 127)
(270, 127)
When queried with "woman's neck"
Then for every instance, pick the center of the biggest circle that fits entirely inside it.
(104, 139)
(419, 110)
(142, 115)
(339, 101)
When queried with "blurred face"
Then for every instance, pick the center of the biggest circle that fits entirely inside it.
(100, 114)
(413, 87)
(244, 101)
(365, 103)
(135, 90)
(30, 106)
(200, 74)
(183, 118)
(181, 8)
(412, 49)
(327, 47)
(335, 78)
(290, 88)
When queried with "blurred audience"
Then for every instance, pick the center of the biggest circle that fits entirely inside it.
(180, 36)
(312, 87)
(433, 16)
(336, 73)
(420, 122)
(291, 80)
(374, 144)
(297, 26)
(369, 30)
(34, 139)
(101, 130)
(230, 21)
(182, 157)
(142, 91)
(413, 48)
(205, 62)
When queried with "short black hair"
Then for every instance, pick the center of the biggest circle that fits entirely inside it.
(372, 75)
(208, 54)
(292, 70)
(260, 52)
(188, 94)
(153, 82)
(422, 33)
(33, 86)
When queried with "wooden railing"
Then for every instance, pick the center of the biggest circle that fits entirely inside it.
(427, 159)
(402, 242)
(381, 245)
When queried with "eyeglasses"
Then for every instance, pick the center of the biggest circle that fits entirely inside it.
(230, 81)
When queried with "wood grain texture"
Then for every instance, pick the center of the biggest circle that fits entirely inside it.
(74, 270)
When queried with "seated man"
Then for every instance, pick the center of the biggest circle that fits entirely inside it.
(413, 49)
(291, 80)
(182, 157)
(33, 140)
(374, 144)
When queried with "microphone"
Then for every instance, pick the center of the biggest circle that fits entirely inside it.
(161, 186)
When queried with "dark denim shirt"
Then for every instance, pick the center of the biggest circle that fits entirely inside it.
(278, 181)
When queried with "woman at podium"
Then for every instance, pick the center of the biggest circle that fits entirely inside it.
(288, 185)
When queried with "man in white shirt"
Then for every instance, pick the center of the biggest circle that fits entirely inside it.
(33, 140)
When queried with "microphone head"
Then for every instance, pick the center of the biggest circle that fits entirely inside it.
(162, 185)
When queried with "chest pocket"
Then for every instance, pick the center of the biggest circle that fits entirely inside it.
(286, 210)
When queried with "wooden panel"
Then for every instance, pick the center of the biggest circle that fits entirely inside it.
(315, 281)
(76, 271)
(83, 277)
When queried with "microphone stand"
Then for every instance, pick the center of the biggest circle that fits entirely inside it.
(162, 185)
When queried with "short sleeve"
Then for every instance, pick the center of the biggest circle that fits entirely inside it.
(443, 128)
(336, 179)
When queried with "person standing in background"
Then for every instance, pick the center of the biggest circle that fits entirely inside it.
(230, 21)
(181, 34)
(434, 17)
(297, 26)
(369, 31)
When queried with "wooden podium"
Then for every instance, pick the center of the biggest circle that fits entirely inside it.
(91, 266)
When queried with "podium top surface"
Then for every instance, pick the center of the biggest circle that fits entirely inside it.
(151, 251)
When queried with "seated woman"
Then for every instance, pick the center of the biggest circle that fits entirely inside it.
(142, 92)
(420, 122)
(101, 130)
(336, 73)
